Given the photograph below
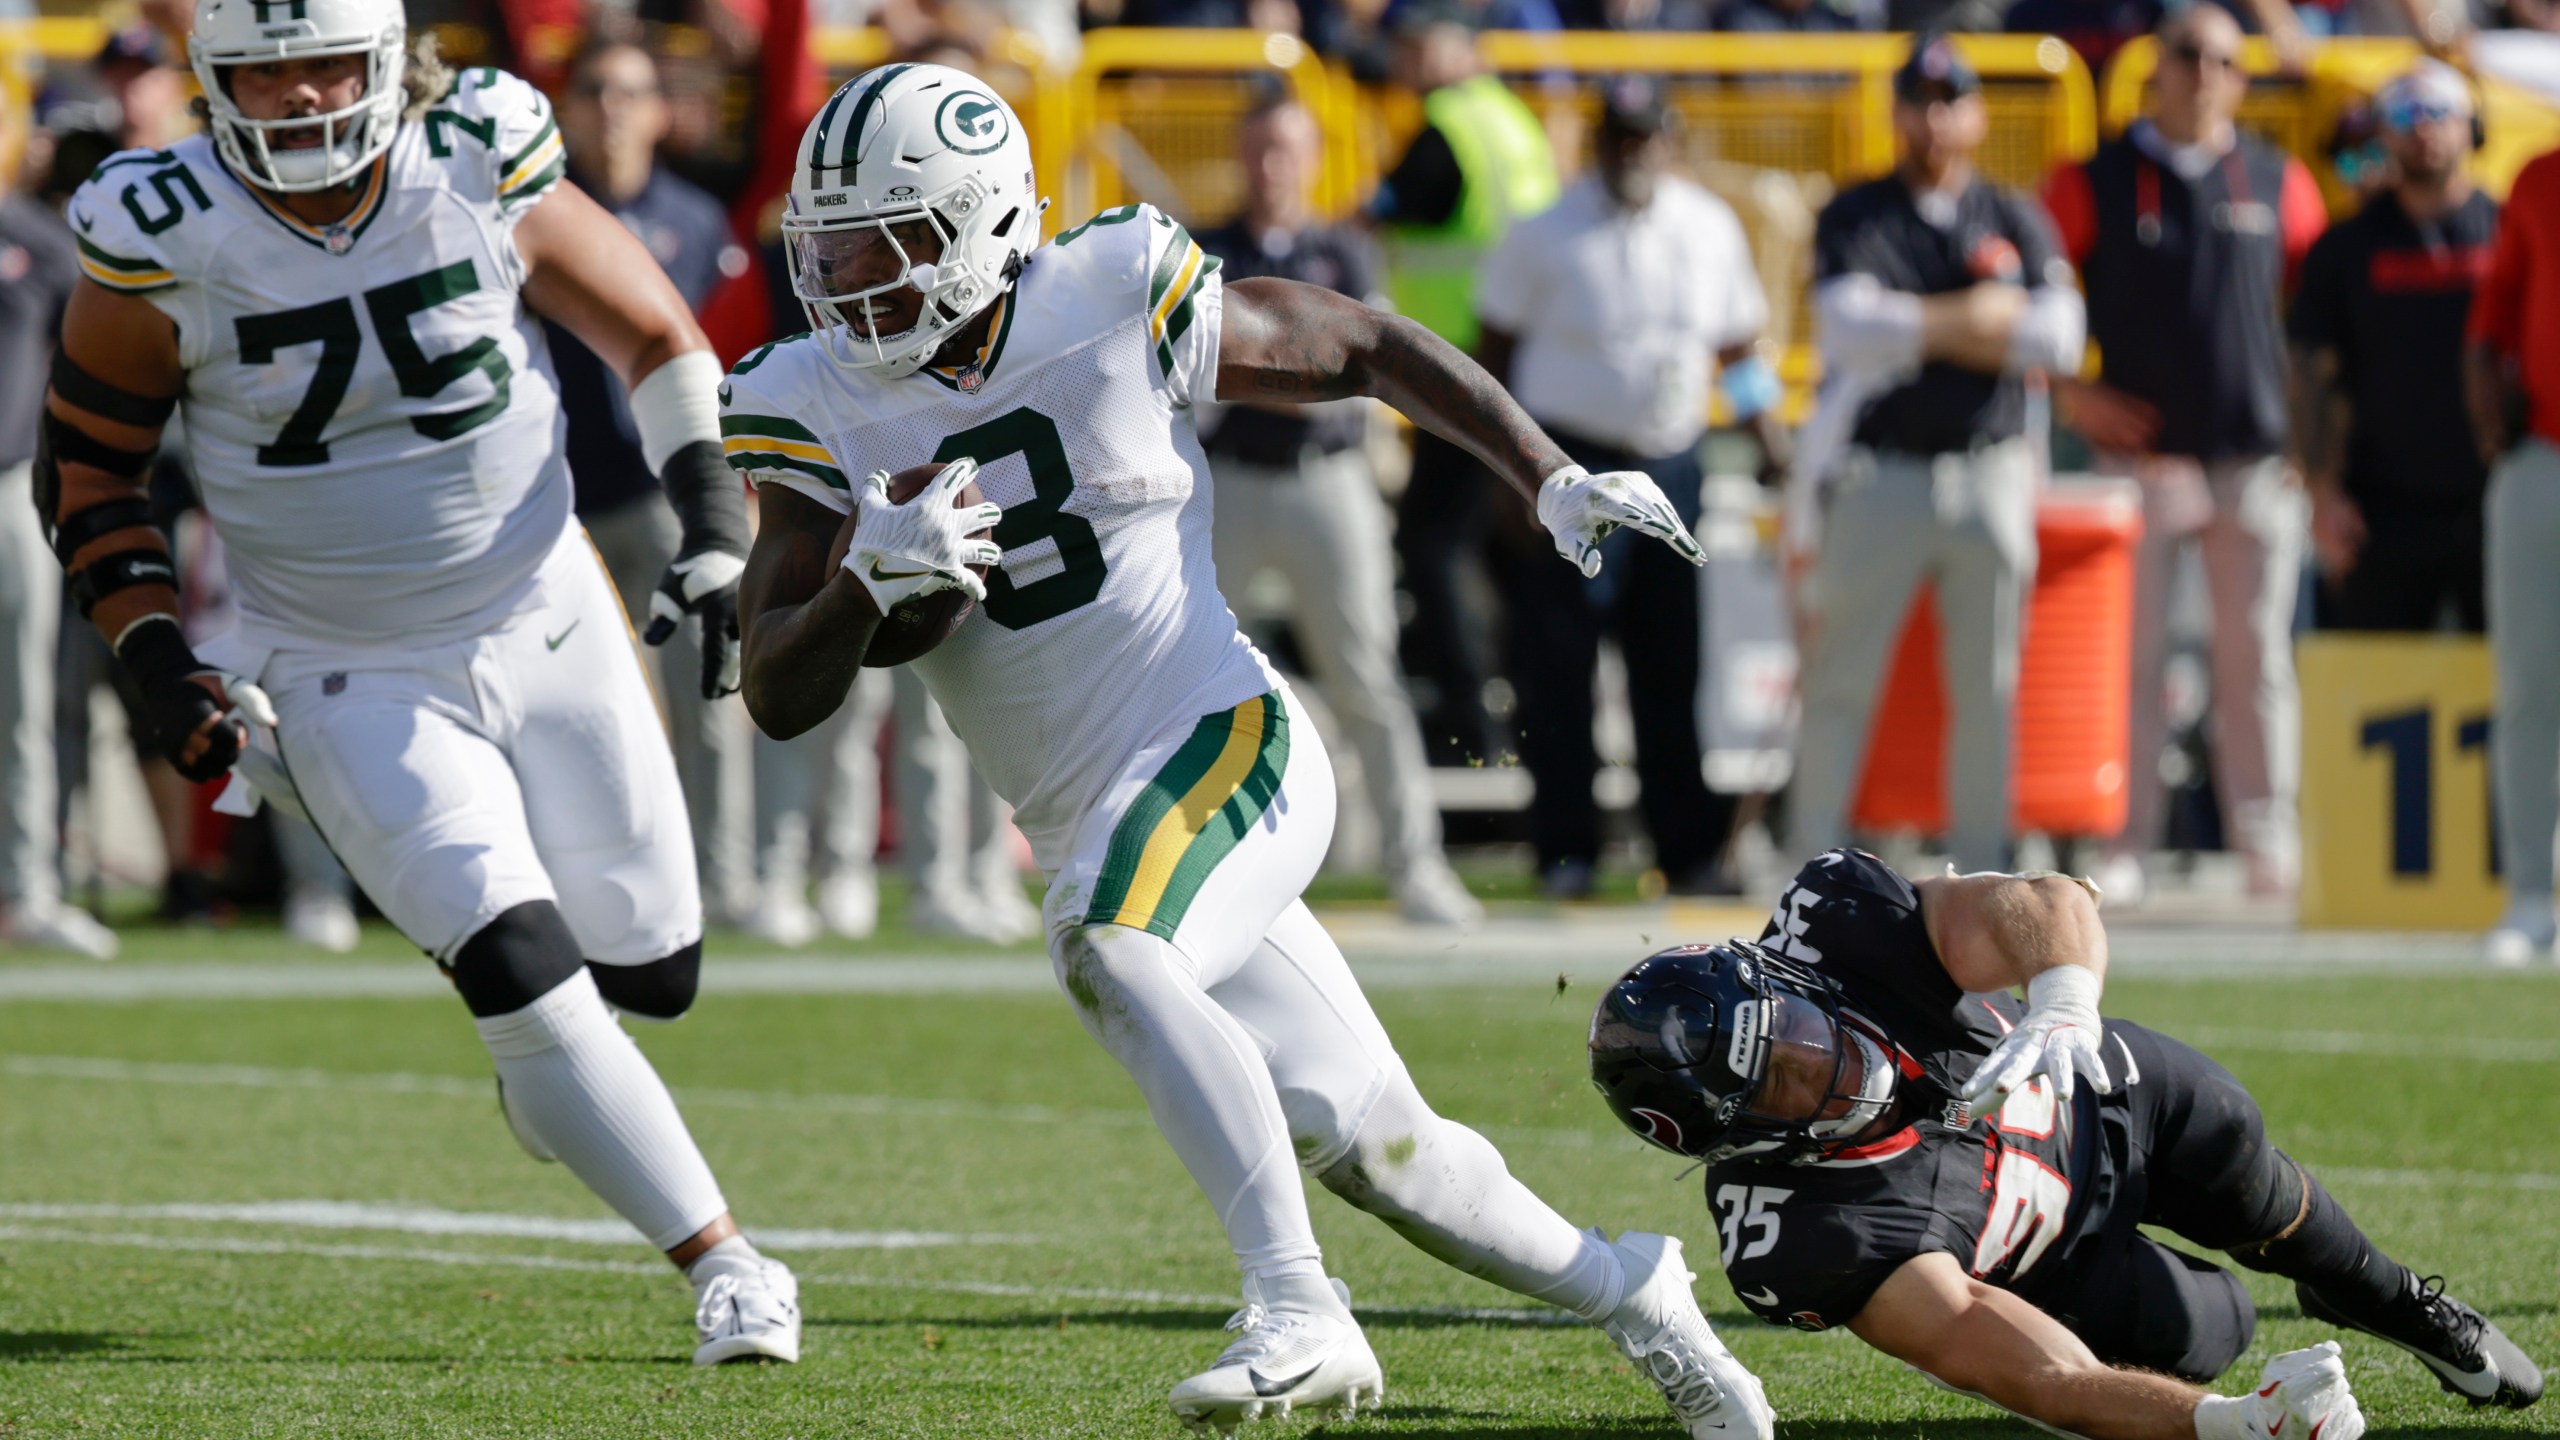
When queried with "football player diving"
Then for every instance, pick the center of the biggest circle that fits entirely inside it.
(1894, 1144)
(1153, 757)
(339, 282)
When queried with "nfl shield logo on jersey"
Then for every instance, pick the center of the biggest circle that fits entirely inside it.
(337, 238)
(971, 377)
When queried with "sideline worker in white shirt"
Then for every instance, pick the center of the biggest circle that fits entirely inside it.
(1608, 316)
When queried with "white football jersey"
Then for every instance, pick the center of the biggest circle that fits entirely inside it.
(1104, 627)
(370, 411)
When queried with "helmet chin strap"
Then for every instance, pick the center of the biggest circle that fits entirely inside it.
(1875, 1092)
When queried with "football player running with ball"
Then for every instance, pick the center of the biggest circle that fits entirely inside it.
(1153, 757)
(340, 281)
(1894, 1144)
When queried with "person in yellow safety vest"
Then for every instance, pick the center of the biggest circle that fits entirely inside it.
(1481, 162)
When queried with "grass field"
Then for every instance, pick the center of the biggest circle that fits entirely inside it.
(163, 1271)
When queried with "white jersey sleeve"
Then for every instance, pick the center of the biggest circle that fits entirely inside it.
(769, 419)
(505, 140)
(1184, 302)
(130, 220)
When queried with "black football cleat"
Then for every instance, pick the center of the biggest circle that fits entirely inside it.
(2471, 1357)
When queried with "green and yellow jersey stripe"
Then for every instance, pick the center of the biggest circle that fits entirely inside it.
(1179, 275)
(1204, 800)
(132, 277)
(773, 443)
(534, 167)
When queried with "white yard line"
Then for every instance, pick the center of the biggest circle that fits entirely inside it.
(247, 1245)
(433, 1220)
(2474, 1049)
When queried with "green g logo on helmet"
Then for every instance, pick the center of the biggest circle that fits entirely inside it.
(972, 122)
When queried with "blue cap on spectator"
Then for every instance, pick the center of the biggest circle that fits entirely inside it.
(1935, 72)
(135, 44)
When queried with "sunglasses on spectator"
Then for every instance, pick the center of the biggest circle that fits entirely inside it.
(2199, 57)
(2407, 115)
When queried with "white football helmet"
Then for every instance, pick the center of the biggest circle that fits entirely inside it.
(916, 149)
(248, 32)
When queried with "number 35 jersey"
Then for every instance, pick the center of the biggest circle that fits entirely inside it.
(370, 413)
(1103, 627)
(2017, 1198)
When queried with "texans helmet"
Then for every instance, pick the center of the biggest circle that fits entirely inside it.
(1711, 1051)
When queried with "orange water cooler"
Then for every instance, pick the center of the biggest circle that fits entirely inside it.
(2074, 704)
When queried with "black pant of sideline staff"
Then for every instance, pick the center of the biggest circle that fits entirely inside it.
(1646, 597)
(2413, 561)
(1444, 516)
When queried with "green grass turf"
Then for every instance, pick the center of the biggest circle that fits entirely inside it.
(1018, 1126)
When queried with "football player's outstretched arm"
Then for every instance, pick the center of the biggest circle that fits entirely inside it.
(115, 382)
(807, 622)
(592, 276)
(1282, 340)
(1985, 1341)
(2039, 930)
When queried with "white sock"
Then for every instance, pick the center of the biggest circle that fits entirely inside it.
(733, 1256)
(576, 1082)
(1206, 1085)
(1445, 1188)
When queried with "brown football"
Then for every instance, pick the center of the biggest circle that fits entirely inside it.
(926, 621)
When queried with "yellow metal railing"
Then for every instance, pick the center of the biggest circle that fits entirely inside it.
(1151, 115)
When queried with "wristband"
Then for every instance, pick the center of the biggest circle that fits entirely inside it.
(2227, 1417)
(2068, 990)
(1749, 386)
(675, 405)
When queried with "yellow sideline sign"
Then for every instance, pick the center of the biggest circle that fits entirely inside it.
(2395, 783)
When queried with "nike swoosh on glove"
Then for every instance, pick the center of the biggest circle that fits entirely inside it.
(702, 584)
(1580, 509)
(2302, 1395)
(2059, 1037)
(924, 546)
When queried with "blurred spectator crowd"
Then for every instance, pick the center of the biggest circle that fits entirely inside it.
(2312, 409)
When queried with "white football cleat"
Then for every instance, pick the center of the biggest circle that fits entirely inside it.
(1430, 893)
(783, 919)
(849, 903)
(63, 927)
(961, 916)
(1658, 1326)
(749, 1315)
(2523, 934)
(1285, 1361)
(322, 919)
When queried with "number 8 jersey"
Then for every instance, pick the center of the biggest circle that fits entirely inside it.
(370, 413)
(1104, 627)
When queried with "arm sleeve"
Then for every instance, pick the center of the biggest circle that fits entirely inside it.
(2073, 207)
(767, 446)
(1864, 327)
(1184, 303)
(2053, 332)
(2303, 215)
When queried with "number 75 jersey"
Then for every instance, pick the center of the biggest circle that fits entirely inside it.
(370, 413)
(1104, 627)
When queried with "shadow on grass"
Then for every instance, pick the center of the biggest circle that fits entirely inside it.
(50, 1344)
(2502, 1313)
(1202, 1320)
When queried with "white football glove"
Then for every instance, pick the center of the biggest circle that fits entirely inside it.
(923, 546)
(1580, 509)
(2302, 1395)
(2058, 1037)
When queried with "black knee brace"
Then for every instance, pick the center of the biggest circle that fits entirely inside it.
(2318, 1244)
(515, 960)
(659, 990)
